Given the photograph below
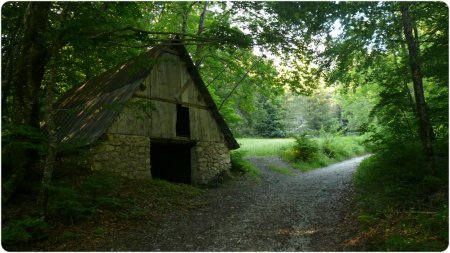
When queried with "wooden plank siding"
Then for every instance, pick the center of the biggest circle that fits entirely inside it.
(203, 126)
(168, 84)
(132, 121)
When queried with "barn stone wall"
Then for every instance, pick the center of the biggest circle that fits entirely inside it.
(129, 156)
(212, 161)
(126, 155)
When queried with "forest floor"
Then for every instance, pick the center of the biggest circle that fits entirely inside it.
(289, 211)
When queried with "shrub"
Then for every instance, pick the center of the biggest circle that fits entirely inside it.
(77, 203)
(311, 153)
(240, 165)
(305, 149)
(24, 230)
(67, 204)
(328, 148)
(97, 184)
(99, 231)
(401, 204)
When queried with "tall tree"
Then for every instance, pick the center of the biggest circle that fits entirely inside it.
(26, 82)
(33, 54)
(52, 145)
(426, 130)
(201, 26)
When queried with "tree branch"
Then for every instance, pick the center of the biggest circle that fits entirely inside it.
(238, 83)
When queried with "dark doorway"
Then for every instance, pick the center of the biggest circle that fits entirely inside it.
(183, 125)
(171, 162)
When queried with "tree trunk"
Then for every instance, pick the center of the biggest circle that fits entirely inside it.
(426, 130)
(405, 82)
(51, 133)
(10, 50)
(201, 25)
(185, 15)
(28, 75)
(32, 58)
(52, 144)
(186, 9)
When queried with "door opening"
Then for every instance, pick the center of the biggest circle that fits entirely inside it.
(171, 161)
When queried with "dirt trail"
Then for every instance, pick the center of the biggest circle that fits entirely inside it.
(297, 212)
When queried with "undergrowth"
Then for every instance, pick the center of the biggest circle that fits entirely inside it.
(241, 166)
(311, 153)
(24, 230)
(401, 206)
(84, 208)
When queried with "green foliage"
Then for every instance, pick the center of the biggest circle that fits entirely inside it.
(242, 166)
(401, 206)
(325, 110)
(264, 147)
(314, 150)
(355, 106)
(99, 231)
(311, 153)
(305, 149)
(228, 35)
(22, 231)
(252, 89)
(28, 137)
(271, 125)
(97, 185)
(67, 203)
(76, 203)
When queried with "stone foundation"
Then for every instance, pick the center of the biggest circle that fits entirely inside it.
(129, 156)
(126, 155)
(212, 161)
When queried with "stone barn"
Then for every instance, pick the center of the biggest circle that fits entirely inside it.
(150, 117)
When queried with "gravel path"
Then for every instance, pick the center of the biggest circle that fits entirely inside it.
(296, 212)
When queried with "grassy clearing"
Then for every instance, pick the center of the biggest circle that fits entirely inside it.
(401, 207)
(305, 153)
(312, 153)
(264, 147)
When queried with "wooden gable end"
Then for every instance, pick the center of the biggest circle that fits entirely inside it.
(153, 108)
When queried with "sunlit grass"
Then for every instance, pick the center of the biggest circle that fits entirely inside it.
(343, 147)
(330, 150)
(264, 147)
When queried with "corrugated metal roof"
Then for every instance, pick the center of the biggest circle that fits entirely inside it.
(85, 112)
